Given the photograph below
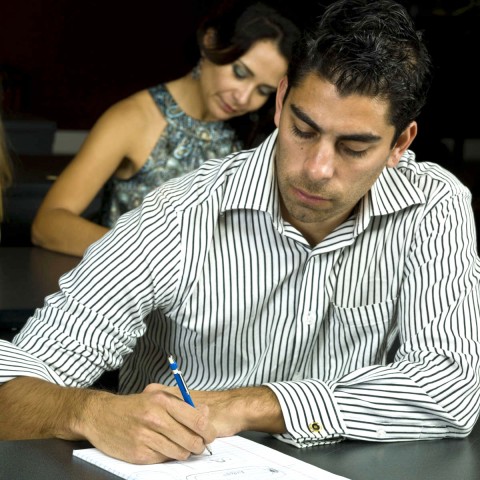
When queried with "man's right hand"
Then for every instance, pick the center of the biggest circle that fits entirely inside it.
(149, 427)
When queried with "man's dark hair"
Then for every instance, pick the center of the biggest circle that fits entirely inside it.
(368, 48)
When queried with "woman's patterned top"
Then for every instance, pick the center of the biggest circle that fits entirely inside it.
(184, 145)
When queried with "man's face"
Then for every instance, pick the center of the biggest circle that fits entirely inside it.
(330, 151)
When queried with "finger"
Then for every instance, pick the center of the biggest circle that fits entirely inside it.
(196, 419)
(178, 427)
(159, 449)
(165, 446)
(162, 448)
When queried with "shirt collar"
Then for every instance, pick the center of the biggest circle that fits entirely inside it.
(253, 186)
(392, 192)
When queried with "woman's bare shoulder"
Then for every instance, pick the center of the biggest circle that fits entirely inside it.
(136, 111)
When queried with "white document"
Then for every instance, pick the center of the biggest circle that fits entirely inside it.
(233, 458)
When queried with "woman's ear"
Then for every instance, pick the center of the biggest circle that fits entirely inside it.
(280, 99)
(404, 141)
(209, 39)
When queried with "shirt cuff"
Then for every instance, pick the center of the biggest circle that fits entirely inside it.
(310, 413)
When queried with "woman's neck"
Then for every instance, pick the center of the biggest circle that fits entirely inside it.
(187, 93)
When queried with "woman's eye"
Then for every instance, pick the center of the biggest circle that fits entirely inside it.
(242, 73)
(265, 91)
(239, 71)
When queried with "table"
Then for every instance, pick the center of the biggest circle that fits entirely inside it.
(27, 276)
(423, 460)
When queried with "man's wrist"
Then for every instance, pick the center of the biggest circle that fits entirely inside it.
(86, 407)
(260, 410)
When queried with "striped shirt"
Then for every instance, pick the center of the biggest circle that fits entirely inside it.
(207, 268)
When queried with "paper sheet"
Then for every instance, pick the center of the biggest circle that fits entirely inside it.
(233, 458)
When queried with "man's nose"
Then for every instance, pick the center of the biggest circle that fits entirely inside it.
(320, 162)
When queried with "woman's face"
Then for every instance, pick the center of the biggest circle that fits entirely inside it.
(242, 86)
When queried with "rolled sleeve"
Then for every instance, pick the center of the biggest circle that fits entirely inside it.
(18, 363)
(92, 324)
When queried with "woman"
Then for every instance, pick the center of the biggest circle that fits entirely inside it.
(168, 130)
(5, 170)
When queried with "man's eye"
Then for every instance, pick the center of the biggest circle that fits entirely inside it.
(301, 133)
(354, 153)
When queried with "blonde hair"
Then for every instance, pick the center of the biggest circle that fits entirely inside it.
(5, 168)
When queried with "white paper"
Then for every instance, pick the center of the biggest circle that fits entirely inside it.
(233, 458)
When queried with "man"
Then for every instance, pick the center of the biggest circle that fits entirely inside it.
(278, 277)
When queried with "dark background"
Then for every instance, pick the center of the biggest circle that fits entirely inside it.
(66, 61)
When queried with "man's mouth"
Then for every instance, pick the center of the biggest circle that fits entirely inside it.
(309, 197)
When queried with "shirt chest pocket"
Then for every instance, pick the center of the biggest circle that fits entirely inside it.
(359, 335)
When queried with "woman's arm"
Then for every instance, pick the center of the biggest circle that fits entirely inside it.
(119, 142)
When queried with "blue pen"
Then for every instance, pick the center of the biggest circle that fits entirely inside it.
(182, 386)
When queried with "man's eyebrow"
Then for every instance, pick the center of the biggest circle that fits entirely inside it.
(300, 114)
(356, 137)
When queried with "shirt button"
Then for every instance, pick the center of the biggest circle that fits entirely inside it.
(315, 427)
(381, 433)
(309, 318)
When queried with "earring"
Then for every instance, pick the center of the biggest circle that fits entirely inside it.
(197, 70)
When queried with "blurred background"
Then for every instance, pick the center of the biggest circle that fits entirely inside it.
(63, 62)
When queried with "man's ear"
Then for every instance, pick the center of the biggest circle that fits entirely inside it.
(280, 98)
(404, 141)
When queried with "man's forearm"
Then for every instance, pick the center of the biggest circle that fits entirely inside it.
(242, 409)
(149, 427)
(33, 408)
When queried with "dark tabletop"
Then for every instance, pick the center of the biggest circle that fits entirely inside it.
(423, 460)
(27, 276)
